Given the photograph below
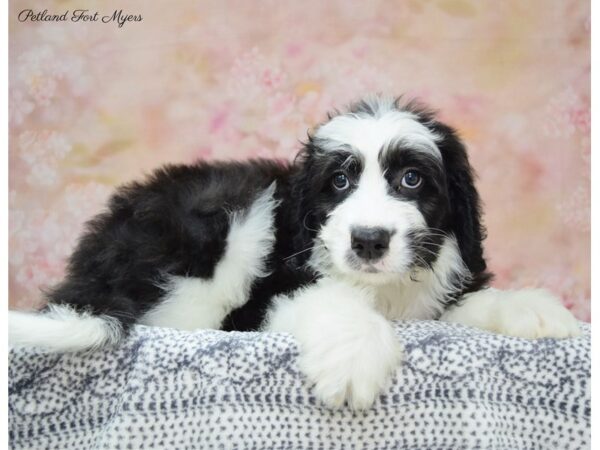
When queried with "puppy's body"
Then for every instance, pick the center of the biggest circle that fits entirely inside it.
(210, 233)
(377, 219)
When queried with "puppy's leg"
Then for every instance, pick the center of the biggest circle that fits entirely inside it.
(526, 313)
(347, 349)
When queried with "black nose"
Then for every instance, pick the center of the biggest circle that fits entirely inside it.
(370, 243)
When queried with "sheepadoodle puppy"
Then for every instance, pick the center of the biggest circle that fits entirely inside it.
(377, 219)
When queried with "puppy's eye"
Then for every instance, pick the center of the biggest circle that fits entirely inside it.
(340, 181)
(412, 179)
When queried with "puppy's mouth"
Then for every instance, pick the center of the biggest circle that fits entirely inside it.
(365, 266)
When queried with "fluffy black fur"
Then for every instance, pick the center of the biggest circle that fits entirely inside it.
(176, 223)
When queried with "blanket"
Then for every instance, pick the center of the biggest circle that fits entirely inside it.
(457, 387)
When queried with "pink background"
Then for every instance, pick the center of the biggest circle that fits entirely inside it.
(93, 105)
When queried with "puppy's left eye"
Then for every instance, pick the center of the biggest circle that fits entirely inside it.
(340, 181)
(412, 179)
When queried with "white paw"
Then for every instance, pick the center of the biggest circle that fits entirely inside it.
(526, 313)
(352, 366)
(535, 314)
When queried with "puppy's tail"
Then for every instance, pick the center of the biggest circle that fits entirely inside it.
(61, 328)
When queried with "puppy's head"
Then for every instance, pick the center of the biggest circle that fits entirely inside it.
(385, 189)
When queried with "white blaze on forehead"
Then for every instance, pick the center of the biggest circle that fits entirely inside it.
(370, 134)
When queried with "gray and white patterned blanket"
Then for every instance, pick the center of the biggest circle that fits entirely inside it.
(164, 389)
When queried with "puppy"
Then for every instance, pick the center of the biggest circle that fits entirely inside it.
(377, 219)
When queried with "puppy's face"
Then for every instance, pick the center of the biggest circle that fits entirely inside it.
(381, 203)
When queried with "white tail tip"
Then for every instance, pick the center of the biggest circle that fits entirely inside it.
(62, 329)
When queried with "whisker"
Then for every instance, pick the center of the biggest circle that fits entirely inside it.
(306, 226)
(422, 260)
(427, 250)
(432, 244)
(437, 233)
(431, 232)
(437, 229)
(302, 251)
(421, 242)
(428, 237)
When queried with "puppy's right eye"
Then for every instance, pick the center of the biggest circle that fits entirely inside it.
(412, 179)
(340, 181)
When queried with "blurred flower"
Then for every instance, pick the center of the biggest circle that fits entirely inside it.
(566, 113)
(251, 75)
(20, 107)
(41, 152)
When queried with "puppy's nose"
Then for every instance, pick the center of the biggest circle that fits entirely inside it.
(369, 243)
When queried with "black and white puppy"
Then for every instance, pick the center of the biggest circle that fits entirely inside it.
(377, 219)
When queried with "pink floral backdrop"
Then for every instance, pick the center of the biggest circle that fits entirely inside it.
(93, 105)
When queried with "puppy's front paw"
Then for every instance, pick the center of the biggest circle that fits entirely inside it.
(535, 313)
(351, 365)
(526, 313)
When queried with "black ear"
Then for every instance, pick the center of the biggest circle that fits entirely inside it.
(465, 205)
(303, 191)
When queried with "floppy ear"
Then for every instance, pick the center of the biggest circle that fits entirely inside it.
(303, 192)
(465, 205)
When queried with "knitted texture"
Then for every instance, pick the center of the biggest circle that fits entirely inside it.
(457, 387)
